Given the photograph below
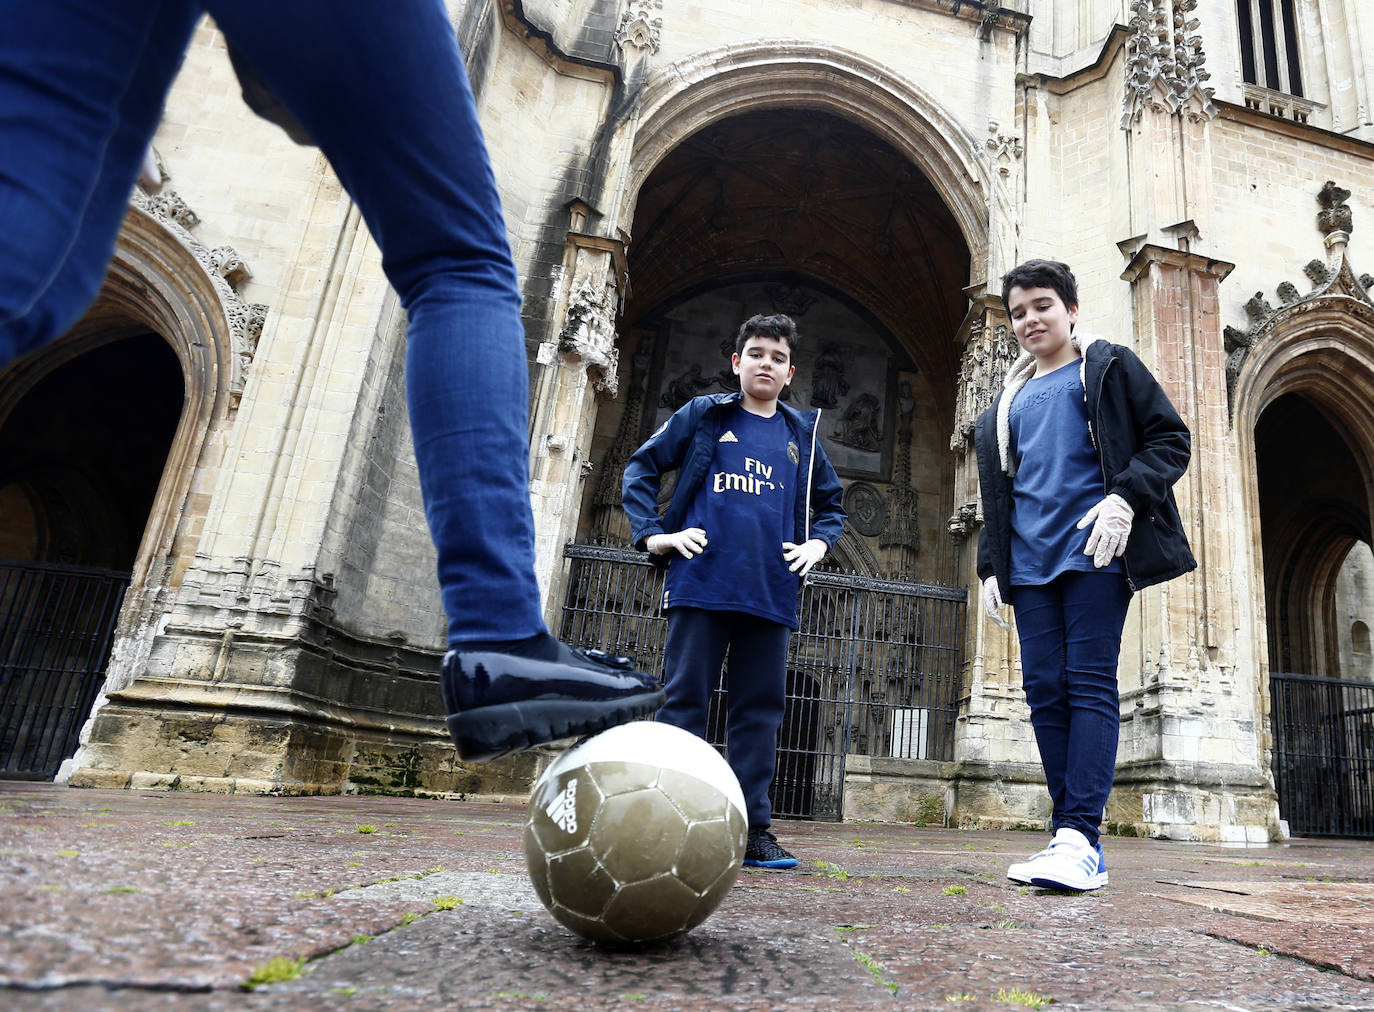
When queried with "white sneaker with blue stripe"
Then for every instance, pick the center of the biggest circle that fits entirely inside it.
(1070, 863)
(1024, 871)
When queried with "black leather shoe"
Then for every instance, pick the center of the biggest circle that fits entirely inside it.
(501, 703)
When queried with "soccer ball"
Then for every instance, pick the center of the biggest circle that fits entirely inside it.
(635, 835)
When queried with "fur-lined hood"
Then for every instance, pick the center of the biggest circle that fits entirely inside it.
(1021, 370)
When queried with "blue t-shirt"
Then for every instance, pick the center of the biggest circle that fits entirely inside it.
(746, 507)
(1058, 479)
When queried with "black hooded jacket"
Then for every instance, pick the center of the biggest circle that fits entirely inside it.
(1143, 447)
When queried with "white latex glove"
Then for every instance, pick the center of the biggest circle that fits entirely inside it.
(992, 602)
(800, 558)
(1111, 519)
(686, 543)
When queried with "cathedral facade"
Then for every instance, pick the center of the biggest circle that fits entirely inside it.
(872, 168)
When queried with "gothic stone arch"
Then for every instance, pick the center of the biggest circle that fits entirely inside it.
(1322, 348)
(709, 86)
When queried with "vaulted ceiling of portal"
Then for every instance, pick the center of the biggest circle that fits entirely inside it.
(803, 193)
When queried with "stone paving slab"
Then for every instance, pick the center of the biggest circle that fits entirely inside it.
(134, 900)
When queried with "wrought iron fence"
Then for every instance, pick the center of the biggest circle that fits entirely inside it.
(1324, 754)
(56, 625)
(873, 670)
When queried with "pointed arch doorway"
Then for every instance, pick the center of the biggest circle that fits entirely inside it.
(804, 212)
(1303, 401)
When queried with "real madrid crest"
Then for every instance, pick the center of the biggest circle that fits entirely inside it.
(793, 454)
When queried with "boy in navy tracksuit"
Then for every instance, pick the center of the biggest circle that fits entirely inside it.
(757, 504)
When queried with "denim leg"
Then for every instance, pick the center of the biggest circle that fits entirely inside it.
(1095, 611)
(693, 654)
(757, 680)
(383, 91)
(82, 84)
(1040, 625)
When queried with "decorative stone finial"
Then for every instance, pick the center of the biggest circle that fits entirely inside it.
(1335, 215)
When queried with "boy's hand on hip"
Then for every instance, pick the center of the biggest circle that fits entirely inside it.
(800, 558)
(1111, 519)
(687, 543)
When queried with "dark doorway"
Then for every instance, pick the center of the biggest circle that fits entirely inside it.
(1314, 509)
(81, 456)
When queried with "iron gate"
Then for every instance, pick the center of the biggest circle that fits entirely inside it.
(874, 669)
(1324, 754)
(56, 624)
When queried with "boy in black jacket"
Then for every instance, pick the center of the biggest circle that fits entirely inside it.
(1081, 436)
(751, 475)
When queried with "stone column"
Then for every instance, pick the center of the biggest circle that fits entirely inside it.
(1191, 762)
(573, 370)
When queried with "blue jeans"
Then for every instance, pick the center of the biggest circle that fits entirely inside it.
(1070, 633)
(382, 90)
(756, 681)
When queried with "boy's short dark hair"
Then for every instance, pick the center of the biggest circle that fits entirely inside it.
(1042, 274)
(778, 326)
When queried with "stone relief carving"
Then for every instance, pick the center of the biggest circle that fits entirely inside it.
(685, 386)
(865, 508)
(790, 299)
(227, 272)
(901, 535)
(860, 424)
(1165, 61)
(640, 26)
(828, 383)
(1332, 278)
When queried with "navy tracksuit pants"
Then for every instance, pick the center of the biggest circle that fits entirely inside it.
(698, 642)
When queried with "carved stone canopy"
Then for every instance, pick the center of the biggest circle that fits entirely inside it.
(1164, 60)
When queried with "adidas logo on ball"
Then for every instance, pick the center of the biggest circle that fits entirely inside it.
(562, 809)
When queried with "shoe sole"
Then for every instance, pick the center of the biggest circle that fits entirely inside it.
(771, 865)
(490, 732)
(1096, 882)
(1024, 880)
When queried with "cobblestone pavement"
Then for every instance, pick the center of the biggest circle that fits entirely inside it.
(132, 900)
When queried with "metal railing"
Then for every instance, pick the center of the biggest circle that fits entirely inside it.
(56, 626)
(873, 670)
(1324, 754)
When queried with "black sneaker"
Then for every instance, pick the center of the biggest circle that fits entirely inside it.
(500, 703)
(764, 851)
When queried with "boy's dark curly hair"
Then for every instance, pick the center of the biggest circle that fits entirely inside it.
(1042, 274)
(779, 326)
